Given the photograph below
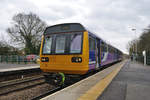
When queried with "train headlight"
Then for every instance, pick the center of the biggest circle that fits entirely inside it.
(76, 59)
(79, 59)
(44, 59)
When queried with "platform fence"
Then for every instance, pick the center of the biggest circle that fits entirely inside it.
(140, 58)
(15, 59)
(148, 58)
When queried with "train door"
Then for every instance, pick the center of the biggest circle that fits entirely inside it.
(97, 53)
(92, 52)
(104, 53)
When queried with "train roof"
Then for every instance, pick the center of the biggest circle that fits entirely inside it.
(65, 27)
(70, 27)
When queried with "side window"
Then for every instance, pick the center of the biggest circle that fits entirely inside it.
(113, 50)
(109, 49)
(104, 47)
(91, 43)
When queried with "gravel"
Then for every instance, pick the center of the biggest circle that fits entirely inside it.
(28, 94)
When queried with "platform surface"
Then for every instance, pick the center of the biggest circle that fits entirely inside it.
(131, 83)
(78, 89)
(4, 67)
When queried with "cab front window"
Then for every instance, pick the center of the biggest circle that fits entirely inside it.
(47, 45)
(75, 46)
(63, 43)
(60, 44)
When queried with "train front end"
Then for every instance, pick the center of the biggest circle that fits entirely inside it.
(64, 49)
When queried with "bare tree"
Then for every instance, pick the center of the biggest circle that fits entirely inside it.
(131, 46)
(27, 30)
(143, 42)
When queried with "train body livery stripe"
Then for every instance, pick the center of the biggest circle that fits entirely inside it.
(92, 62)
(105, 56)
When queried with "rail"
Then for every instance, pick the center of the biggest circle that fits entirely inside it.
(13, 86)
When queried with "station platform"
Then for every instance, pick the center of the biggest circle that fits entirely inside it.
(131, 83)
(4, 67)
(89, 88)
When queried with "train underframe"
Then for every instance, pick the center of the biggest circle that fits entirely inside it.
(61, 79)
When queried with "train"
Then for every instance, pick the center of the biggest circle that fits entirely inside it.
(69, 50)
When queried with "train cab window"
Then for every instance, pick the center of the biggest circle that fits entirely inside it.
(63, 43)
(75, 46)
(60, 44)
(48, 44)
(91, 43)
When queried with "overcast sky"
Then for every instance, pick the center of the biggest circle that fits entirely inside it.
(112, 20)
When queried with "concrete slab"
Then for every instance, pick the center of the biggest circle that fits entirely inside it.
(138, 92)
(115, 91)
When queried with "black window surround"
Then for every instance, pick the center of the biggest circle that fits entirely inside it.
(67, 43)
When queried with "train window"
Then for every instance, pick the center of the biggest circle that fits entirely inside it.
(66, 43)
(111, 50)
(60, 44)
(104, 47)
(75, 46)
(91, 43)
(47, 45)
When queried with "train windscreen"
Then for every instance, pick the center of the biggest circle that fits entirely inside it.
(64, 43)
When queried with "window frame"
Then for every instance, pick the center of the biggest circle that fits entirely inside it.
(67, 44)
(69, 48)
(64, 44)
(92, 38)
(43, 46)
(104, 47)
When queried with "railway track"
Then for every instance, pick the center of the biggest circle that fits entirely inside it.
(58, 88)
(20, 84)
(13, 75)
(30, 88)
(47, 93)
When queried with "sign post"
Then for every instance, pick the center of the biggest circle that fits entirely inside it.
(144, 54)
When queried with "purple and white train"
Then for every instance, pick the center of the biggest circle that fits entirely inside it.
(73, 50)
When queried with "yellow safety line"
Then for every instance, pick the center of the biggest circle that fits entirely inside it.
(98, 89)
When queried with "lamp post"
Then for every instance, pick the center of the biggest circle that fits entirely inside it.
(133, 29)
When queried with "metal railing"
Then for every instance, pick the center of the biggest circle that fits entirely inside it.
(148, 58)
(140, 58)
(16, 59)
